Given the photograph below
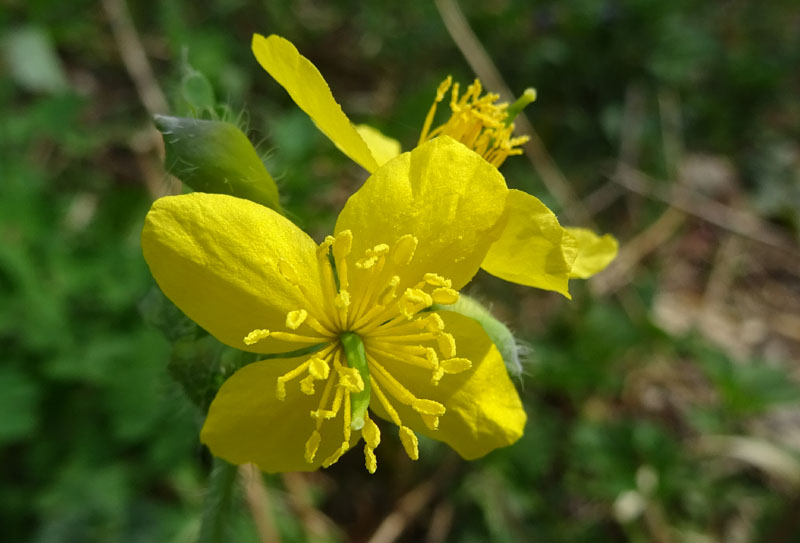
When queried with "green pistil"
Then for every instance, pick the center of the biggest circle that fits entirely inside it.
(528, 97)
(357, 358)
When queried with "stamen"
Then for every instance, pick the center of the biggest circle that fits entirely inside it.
(393, 386)
(410, 359)
(342, 302)
(428, 407)
(389, 292)
(342, 244)
(451, 366)
(280, 388)
(432, 323)
(255, 336)
(319, 368)
(403, 250)
(480, 123)
(350, 380)
(288, 272)
(390, 410)
(295, 318)
(444, 296)
(437, 280)
(297, 338)
(334, 410)
(371, 256)
(412, 301)
(447, 345)
(410, 442)
(307, 385)
(337, 454)
(312, 445)
(372, 438)
(440, 91)
(456, 365)
(371, 433)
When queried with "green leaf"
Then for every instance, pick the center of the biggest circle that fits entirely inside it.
(197, 91)
(19, 398)
(216, 157)
(33, 61)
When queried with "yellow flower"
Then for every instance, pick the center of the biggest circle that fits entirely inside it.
(413, 235)
(533, 248)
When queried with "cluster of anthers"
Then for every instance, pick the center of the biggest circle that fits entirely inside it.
(366, 327)
(478, 122)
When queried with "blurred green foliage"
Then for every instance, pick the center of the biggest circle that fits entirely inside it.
(98, 443)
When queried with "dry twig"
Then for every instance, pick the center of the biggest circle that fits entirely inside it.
(134, 57)
(257, 499)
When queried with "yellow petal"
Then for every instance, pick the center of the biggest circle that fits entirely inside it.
(483, 409)
(441, 193)
(247, 423)
(383, 147)
(533, 249)
(594, 252)
(217, 258)
(311, 93)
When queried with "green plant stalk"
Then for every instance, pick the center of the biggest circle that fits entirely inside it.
(218, 503)
(357, 358)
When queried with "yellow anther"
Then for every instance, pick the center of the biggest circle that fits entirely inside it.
(350, 379)
(410, 442)
(333, 411)
(403, 250)
(447, 345)
(319, 368)
(440, 91)
(342, 299)
(337, 454)
(428, 407)
(288, 272)
(323, 248)
(371, 256)
(433, 323)
(370, 461)
(437, 280)
(443, 87)
(456, 365)
(414, 300)
(371, 433)
(307, 385)
(444, 296)
(295, 318)
(255, 336)
(280, 389)
(431, 421)
(389, 292)
(342, 244)
(312, 445)
(430, 355)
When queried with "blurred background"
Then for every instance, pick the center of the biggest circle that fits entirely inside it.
(662, 400)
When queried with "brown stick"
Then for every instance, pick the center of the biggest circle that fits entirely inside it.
(133, 56)
(257, 499)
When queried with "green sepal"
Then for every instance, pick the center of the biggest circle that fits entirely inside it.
(498, 332)
(216, 157)
(357, 358)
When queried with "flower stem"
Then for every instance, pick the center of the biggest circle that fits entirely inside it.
(218, 503)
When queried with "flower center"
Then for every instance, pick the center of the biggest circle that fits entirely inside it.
(478, 122)
(373, 335)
